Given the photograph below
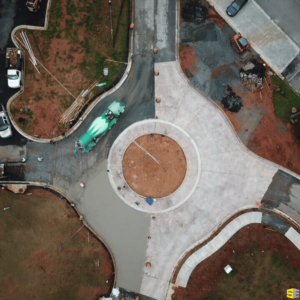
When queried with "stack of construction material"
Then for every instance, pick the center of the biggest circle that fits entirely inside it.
(71, 114)
(252, 75)
(251, 81)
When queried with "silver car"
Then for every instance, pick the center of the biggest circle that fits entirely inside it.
(5, 127)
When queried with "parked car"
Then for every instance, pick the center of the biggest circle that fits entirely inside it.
(235, 7)
(13, 63)
(5, 127)
(14, 78)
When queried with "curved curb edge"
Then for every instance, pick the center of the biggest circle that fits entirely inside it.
(90, 107)
(123, 198)
(87, 225)
(217, 242)
(217, 106)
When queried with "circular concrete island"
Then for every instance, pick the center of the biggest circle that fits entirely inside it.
(154, 165)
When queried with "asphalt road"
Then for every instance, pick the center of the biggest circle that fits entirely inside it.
(14, 13)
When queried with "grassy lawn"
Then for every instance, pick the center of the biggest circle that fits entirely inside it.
(261, 276)
(75, 49)
(33, 264)
(283, 100)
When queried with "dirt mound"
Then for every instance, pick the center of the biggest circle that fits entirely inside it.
(232, 101)
(193, 11)
(157, 176)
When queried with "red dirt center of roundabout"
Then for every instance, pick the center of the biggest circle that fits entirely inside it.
(154, 165)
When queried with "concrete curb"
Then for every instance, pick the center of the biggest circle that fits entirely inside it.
(177, 41)
(223, 236)
(187, 187)
(93, 104)
(214, 245)
(59, 191)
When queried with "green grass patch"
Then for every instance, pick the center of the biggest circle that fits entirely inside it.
(284, 99)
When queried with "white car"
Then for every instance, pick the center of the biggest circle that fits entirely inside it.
(5, 127)
(14, 78)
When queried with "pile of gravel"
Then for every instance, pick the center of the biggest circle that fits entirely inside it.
(232, 101)
(193, 11)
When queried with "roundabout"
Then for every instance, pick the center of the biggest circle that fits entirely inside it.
(154, 165)
(154, 159)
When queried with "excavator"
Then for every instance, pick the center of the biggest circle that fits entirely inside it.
(33, 5)
(99, 127)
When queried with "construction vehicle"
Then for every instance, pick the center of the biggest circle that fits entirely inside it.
(13, 63)
(99, 127)
(33, 5)
(240, 42)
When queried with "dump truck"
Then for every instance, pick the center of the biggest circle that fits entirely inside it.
(33, 5)
(241, 43)
(13, 63)
(99, 127)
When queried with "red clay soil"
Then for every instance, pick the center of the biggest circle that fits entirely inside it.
(33, 263)
(273, 139)
(148, 178)
(255, 237)
(188, 59)
(62, 56)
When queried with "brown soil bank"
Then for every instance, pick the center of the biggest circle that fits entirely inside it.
(33, 264)
(75, 49)
(148, 177)
(265, 264)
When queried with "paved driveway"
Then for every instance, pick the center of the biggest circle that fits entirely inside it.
(274, 46)
(285, 14)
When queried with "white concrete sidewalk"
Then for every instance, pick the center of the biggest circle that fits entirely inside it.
(265, 37)
(214, 245)
(231, 179)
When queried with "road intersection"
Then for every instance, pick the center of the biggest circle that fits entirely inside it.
(231, 177)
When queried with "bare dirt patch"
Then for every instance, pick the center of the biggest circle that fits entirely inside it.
(216, 65)
(33, 264)
(265, 264)
(188, 60)
(148, 178)
(75, 49)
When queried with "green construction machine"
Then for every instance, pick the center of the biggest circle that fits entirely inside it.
(99, 127)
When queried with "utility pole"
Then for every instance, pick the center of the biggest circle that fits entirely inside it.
(111, 25)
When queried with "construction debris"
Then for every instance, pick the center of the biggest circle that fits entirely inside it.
(16, 188)
(252, 75)
(71, 114)
(29, 49)
(193, 11)
(232, 101)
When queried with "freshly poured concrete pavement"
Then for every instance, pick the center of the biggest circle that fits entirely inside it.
(123, 229)
(232, 178)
